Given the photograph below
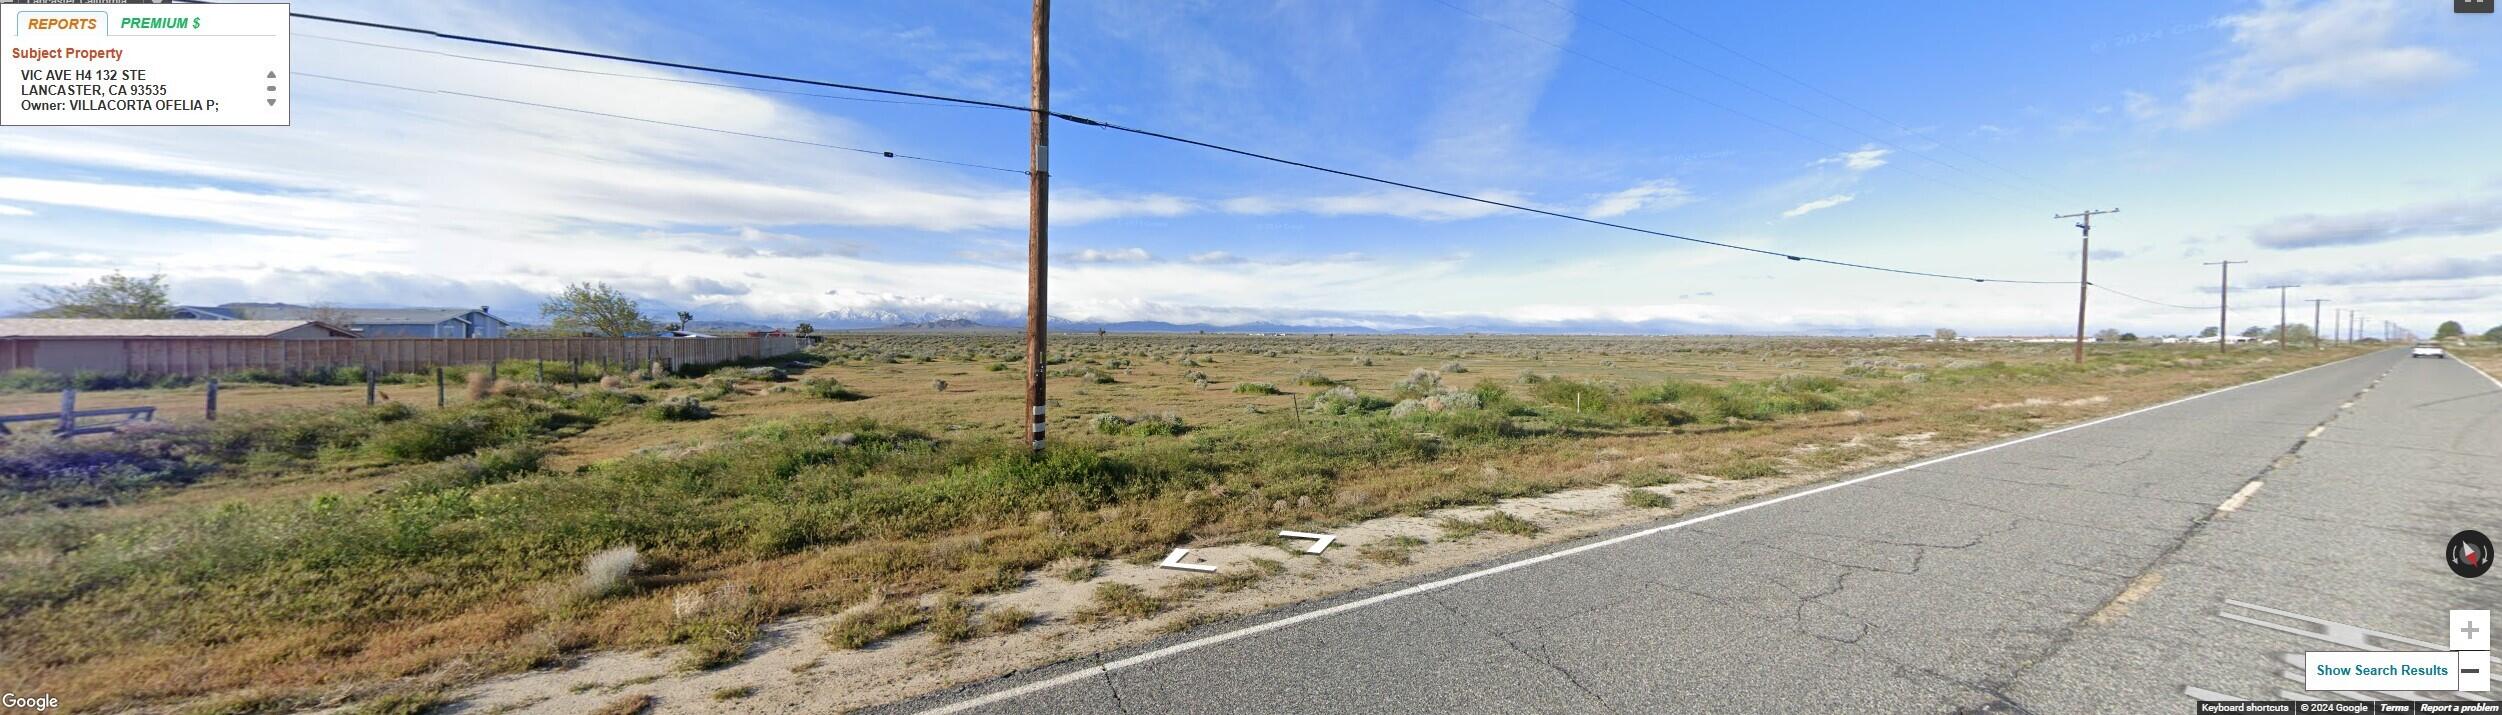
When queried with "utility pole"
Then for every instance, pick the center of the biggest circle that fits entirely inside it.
(2223, 303)
(2283, 342)
(2315, 322)
(2084, 257)
(1037, 234)
(2340, 335)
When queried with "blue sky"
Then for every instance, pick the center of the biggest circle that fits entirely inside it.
(2343, 144)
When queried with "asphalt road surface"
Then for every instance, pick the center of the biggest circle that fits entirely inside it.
(2127, 565)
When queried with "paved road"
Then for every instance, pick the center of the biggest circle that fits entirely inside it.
(2085, 571)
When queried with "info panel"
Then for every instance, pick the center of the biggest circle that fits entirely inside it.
(219, 64)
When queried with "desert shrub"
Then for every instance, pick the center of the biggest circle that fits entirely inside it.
(1314, 378)
(1120, 601)
(488, 466)
(1454, 367)
(1344, 400)
(1647, 499)
(683, 408)
(1109, 424)
(830, 389)
(478, 385)
(876, 622)
(606, 573)
(438, 435)
(1256, 388)
(1093, 376)
(1419, 383)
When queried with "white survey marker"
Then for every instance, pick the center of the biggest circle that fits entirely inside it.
(1320, 542)
(1174, 561)
(221, 64)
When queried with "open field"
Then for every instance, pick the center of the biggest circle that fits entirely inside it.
(870, 524)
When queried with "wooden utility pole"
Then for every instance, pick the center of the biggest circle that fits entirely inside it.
(1037, 233)
(2223, 304)
(2315, 322)
(2283, 341)
(2084, 257)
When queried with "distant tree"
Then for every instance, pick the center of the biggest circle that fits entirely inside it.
(805, 328)
(1945, 335)
(2449, 329)
(2495, 334)
(2128, 337)
(2107, 335)
(2295, 333)
(332, 314)
(2207, 332)
(111, 296)
(595, 308)
(2252, 332)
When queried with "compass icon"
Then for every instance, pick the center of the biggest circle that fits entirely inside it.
(2470, 554)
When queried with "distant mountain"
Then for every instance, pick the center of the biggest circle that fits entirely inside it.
(943, 324)
(727, 326)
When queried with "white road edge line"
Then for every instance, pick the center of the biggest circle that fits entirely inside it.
(1256, 629)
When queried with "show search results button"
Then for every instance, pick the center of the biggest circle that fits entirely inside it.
(2386, 671)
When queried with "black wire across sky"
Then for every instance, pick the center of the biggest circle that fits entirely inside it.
(1076, 119)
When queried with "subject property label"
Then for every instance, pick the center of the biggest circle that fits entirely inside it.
(144, 65)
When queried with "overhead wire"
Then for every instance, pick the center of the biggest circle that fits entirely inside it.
(1096, 123)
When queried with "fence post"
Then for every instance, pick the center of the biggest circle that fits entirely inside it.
(369, 385)
(212, 399)
(538, 371)
(440, 397)
(69, 410)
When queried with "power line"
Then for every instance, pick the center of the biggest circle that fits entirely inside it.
(2149, 301)
(751, 135)
(1783, 102)
(1827, 95)
(1556, 214)
(1108, 125)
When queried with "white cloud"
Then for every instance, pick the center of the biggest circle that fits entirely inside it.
(2284, 50)
(2459, 217)
(1118, 255)
(1658, 194)
(1403, 204)
(7, 210)
(1865, 158)
(1215, 257)
(1817, 205)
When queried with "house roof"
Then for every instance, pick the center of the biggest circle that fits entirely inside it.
(103, 328)
(358, 316)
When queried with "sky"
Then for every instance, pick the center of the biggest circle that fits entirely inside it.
(2344, 145)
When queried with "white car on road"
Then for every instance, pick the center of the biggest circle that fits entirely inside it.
(2427, 350)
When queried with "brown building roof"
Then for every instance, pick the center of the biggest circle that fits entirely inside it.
(102, 328)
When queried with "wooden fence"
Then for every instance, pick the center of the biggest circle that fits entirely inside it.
(203, 357)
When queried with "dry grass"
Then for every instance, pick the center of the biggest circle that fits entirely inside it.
(292, 580)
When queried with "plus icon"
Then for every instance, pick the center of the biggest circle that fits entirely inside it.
(2469, 630)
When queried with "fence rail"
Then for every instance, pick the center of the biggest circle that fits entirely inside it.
(204, 357)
